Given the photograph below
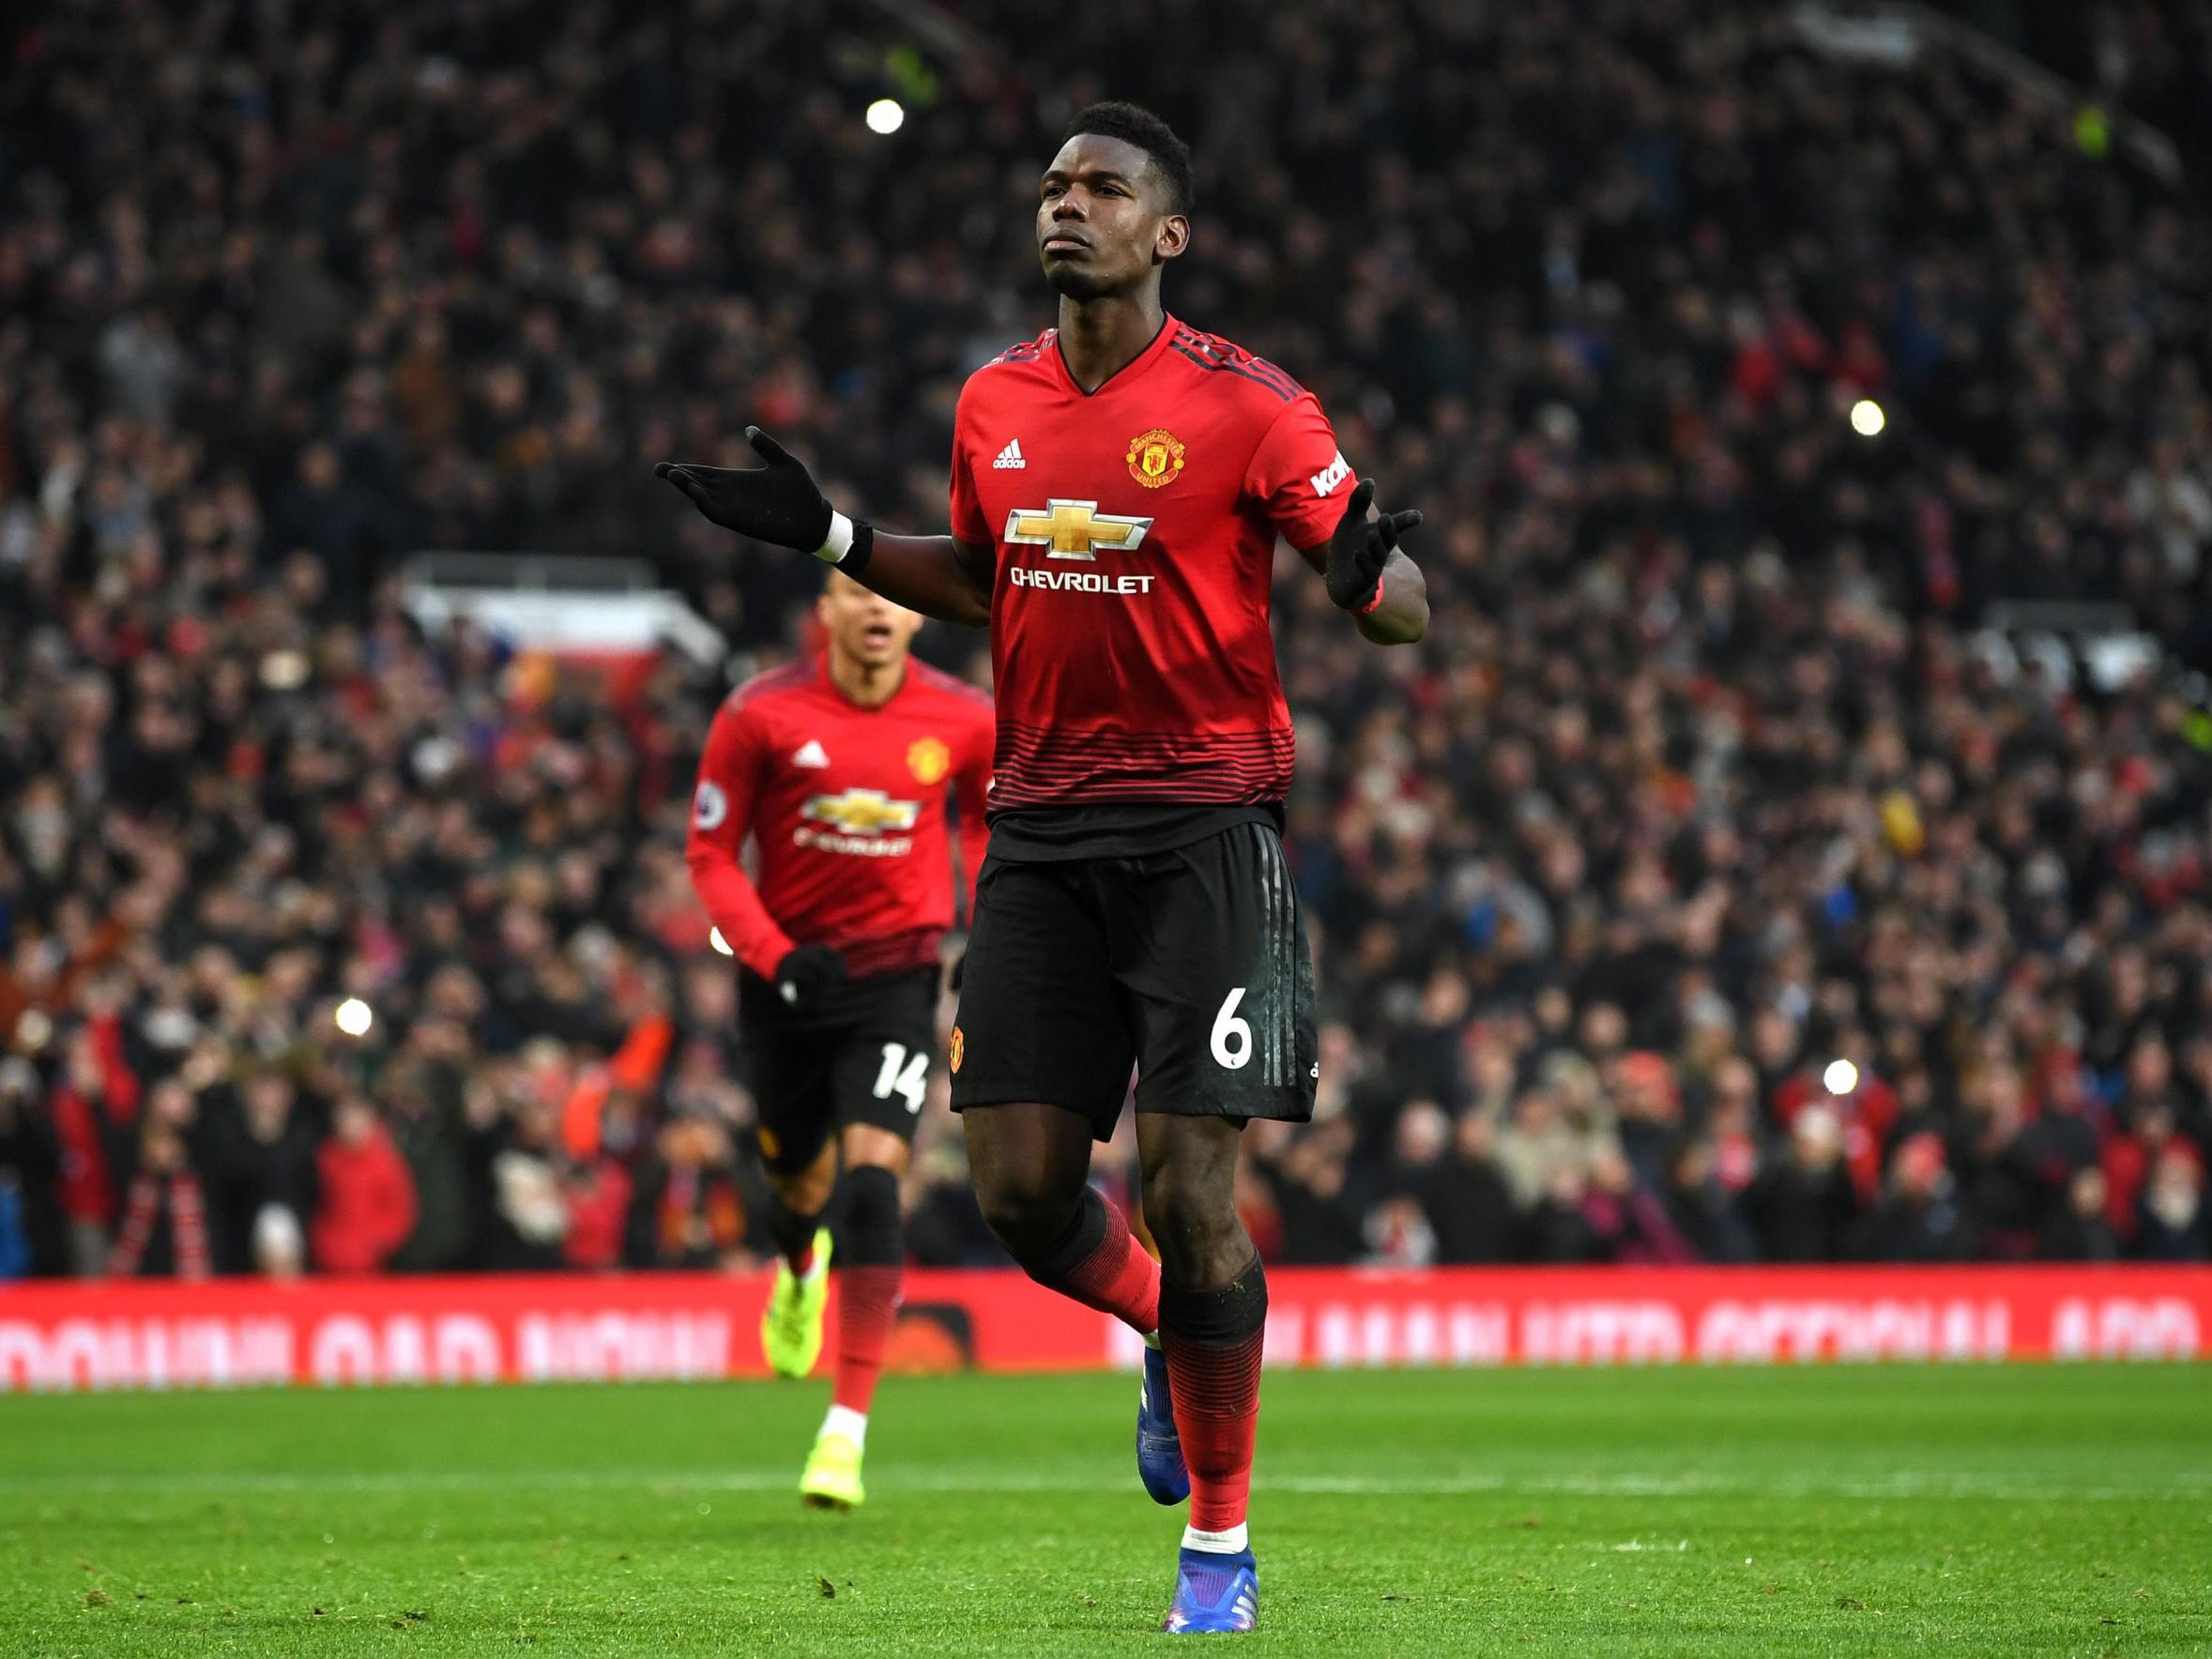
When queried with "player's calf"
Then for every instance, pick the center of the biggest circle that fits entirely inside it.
(1095, 1259)
(1213, 1315)
(870, 1258)
(798, 1199)
(1030, 1163)
(869, 1268)
(1212, 1339)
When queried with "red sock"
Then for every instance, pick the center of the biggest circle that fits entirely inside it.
(1215, 1385)
(1100, 1263)
(867, 1306)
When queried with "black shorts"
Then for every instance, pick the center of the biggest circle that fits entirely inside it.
(1190, 965)
(865, 1059)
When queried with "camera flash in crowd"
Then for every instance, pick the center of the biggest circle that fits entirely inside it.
(715, 938)
(354, 1017)
(1867, 419)
(886, 115)
(1840, 1077)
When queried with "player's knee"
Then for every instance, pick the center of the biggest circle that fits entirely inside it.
(807, 1189)
(1192, 1219)
(1025, 1209)
(807, 1193)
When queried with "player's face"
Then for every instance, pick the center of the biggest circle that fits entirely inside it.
(862, 626)
(1103, 224)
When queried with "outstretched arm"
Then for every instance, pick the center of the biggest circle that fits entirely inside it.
(1369, 574)
(940, 576)
(780, 503)
(1400, 615)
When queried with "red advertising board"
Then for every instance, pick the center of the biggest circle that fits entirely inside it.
(566, 1327)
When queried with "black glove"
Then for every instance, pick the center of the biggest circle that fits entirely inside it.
(778, 503)
(808, 975)
(1359, 550)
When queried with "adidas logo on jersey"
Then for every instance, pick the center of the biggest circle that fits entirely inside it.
(1010, 458)
(812, 754)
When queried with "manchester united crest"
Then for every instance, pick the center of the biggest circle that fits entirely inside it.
(956, 1050)
(1155, 458)
(928, 759)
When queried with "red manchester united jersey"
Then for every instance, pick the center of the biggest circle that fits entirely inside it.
(847, 805)
(1135, 529)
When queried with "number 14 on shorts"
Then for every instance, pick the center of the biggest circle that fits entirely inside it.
(905, 1074)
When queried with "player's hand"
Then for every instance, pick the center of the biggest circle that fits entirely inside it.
(1361, 547)
(779, 503)
(808, 975)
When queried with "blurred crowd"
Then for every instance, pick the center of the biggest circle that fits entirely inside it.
(1711, 884)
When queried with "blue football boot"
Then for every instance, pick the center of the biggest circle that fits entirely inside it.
(1213, 1592)
(1159, 1450)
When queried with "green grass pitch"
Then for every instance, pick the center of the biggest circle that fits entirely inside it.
(1851, 1509)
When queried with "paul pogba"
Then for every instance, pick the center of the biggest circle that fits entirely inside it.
(1118, 485)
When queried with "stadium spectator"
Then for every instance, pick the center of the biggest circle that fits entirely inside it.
(366, 1210)
(1921, 1220)
(1628, 1222)
(1712, 757)
(1803, 1203)
(690, 1208)
(30, 1170)
(1700, 1210)
(1316, 1201)
(163, 1232)
(945, 1224)
(420, 1096)
(260, 1155)
(2078, 1231)
(2172, 1220)
(1470, 1206)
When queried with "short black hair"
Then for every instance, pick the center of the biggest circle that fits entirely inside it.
(1135, 125)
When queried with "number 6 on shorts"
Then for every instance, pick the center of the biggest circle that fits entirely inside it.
(1232, 1037)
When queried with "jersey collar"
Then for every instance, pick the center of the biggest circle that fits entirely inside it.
(1128, 371)
(838, 691)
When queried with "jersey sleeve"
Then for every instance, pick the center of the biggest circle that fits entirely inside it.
(1299, 476)
(730, 775)
(967, 521)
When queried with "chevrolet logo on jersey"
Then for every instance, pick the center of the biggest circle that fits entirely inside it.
(861, 812)
(1074, 529)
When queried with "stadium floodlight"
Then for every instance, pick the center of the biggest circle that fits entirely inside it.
(715, 938)
(354, 1017)
(886, 115)
(1867, 419)
(1840, 1077)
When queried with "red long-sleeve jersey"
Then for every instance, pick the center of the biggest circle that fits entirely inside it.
(847, 806)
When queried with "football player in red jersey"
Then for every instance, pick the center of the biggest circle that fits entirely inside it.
(1118, 485)
(838, 768)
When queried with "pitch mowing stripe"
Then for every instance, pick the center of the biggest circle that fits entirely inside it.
(1954, 1485)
